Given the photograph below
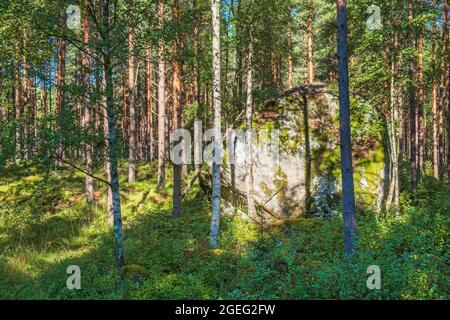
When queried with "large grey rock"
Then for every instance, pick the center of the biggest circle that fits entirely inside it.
(281, 188)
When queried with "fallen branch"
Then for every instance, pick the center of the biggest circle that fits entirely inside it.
(81, 170)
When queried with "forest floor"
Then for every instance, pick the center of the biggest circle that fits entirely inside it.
(46, 226)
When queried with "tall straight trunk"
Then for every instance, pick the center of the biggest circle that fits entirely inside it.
(392, 132)
(249, 133)
(60, 97)
(197, 86)
(149, 100)
(444, 65)
(25, 102)
(102, 110)
(434, 111)
(348, 191)
(43, 106)
(217, 104)
(86, 118)
(114, 174)
(131, 103)
(447, 70)
(18, 109)
(161, 103)
(124, 119)
(1, 101)
(32, 149)
(309, 35)
(412, 102)
(176, 110)
(289, 60)
(308, 160)
(420, 130)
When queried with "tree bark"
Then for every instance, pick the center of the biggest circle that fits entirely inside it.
(249, 133)
(412, 103)
(289, 60)
(217, 104)
(161, 103)
(176, 110)
(114, 174)
(420, 129)
(149, 100)
(434, 111)
(346, 145)
(86, 118)
(60, 98)
(132, 108)
(309, 34)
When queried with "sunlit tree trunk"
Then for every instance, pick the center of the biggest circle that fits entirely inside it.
(412, 102)
(60, 97)
(442, 88)
(197, 85)
(132, 108)
(149, 100)
(434, 111)
(176, 110)
(289, 60)
(114, 174)
(420, 129)
(249, 135)
(309, 36)
(161, 103)
(217, 104)
(447, 82)
(18, 109)
(86, 117)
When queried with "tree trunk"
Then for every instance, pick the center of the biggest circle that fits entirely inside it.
(86, 118)
(420, 129)
(217, 104)
(161, 103)
(444, 66)
(309, 34)
(149, 101)
(17, 107)
(131, 103)
(447, 72)
(435, 133)
(308, 160)
(346, 145)
(412, 103)
(197, 86)
(60, 97)
(289, 60)
(177, 111)
(109, 87)
(249, 133)
(102, 109)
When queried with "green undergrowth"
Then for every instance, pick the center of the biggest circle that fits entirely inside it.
(46, 226)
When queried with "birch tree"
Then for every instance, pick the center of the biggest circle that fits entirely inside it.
(249, 135)
(216, 166)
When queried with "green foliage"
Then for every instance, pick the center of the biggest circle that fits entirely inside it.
(45, 226)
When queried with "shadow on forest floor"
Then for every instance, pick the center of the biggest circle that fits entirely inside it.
(46, 226)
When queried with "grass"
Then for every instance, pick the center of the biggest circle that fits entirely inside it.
(46, 226)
